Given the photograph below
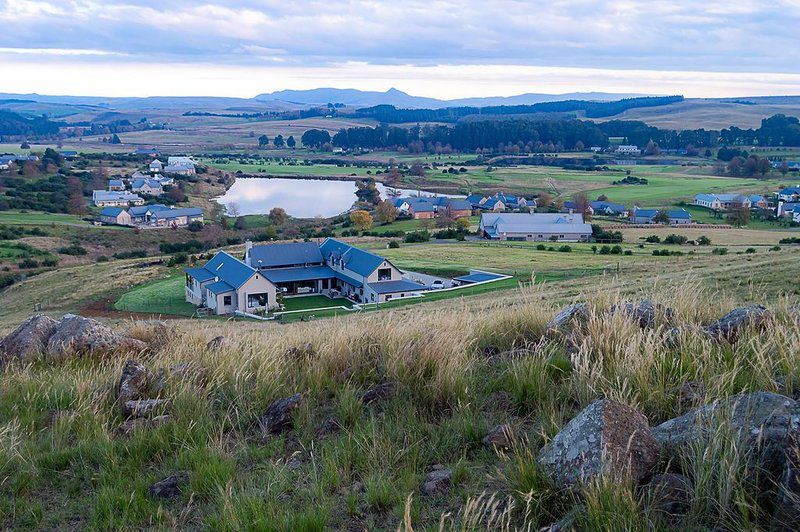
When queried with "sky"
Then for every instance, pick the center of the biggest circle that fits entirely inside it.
(437, 48)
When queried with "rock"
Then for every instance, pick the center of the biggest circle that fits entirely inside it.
(329, 426)
(129, 426)
(568, 523)
(133, 382)
(691, 395)
(786, 514)
(568, 318)
(645, 312)
(500, 436)
(670, 493)
(438, 482)
(730, 326)
(217, 343)
(76, 335)
(379, 392)
(672, 337)
(278, 416)
(762, 418)
(169, 487)
(30, 338)
(143, 407)
(303, 351)
(606, 439)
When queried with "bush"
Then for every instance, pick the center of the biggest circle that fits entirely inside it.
(195, 227)
(719, 251)
(394, 244)
(605, 250)
(180, 258)
(616, 250)
(417, 236)
(750, 251)
(541, 247)
(50, 262)
(446, 234)
(27, 264)
(790, 240)
(133, 254)
(775, 248)
(102, 258)
(74, 250)
(703, 241)
(628, 252)
(675, 239)
(565, 249)
(653, 239)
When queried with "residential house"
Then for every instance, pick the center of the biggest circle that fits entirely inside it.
(493, 204)
(143, 215)
(115, 216)
(721, 202)
(787, 208)
(535, 227)
(156, 166)
(676, 216)
(107, 198)
(180, 169)
(176, 217)
(180, 160)
(332, 268)
(152, 152)
(789, 194)
(148, 187)
(226, 285)
(116, 185)
(420, 208)
(627, 150)
(571, 206)
(758, 202)
(499, 202)
(609, 209)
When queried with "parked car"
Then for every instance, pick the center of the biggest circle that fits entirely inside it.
(437, 284)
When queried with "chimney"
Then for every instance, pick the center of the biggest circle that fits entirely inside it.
(248, 246)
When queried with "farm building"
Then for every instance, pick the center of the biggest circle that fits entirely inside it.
(106, 198)
(647, 216)
(535, 227)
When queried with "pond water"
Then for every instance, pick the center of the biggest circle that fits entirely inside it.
(301, 198)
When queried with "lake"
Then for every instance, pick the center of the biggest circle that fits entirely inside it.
(301, 198)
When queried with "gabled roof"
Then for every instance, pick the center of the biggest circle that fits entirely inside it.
(679, 214)
(459, 204)
(168, 214)
(475, 198)
(111, 211)
(285, 275)
(220, 287)
(227, 268)
(115, 182)
(790, 190)
(139, 183)
(144, 209)
(291, 254)
(608, 206)
(420, 204)
(354, 259)
(534, 223)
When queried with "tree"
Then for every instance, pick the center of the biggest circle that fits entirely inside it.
(115, 139)
(24, 145)
(582, 205)
(176, 194)
(367, 191)
(263, 141)
(544, 200)
(232, 209)
(291, 142)
(579, 146)
(315, 138)
(75, 204)
(279, 142)
(602, 197)
(417, 169)
(240, 224)
(652, 148)
(738, 215)
(277, 216)
(386, 212)
(445, 218)
(361, 219)
(392, 176)
(463, 224)
(661, 217)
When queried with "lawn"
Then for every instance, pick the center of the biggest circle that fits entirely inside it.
(312, 302)
(165, 296)
(278, 169)
(39, 218)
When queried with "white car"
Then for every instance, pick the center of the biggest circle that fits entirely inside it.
(437, 284)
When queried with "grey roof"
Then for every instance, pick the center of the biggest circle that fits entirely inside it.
(393, 287)
(143, 209)
(679, 214)
(291, 254)
(287, 275)
(220, 287)
(168, 214)
(478, 277)
(354, 259)
(111, 211)
(534, 223)
(226, 268)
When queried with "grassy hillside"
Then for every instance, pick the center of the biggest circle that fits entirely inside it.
(455, 372)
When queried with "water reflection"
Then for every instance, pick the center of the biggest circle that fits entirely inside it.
(301, 198)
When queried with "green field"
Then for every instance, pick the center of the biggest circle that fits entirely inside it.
(165, 296)
(39, 218)
(311, 302)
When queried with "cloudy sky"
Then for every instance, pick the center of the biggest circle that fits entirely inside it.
(437, 48)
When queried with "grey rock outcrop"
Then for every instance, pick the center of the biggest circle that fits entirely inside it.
(437, 482)
(606, 439)
(143, 407)
(170, 487)
(645, 313)
(379, 392)
(217, 343)
(76, 335)
(130, 426)
(133, 382)
(279, 415)
(730, 326)
(568, 318)
(29, 339)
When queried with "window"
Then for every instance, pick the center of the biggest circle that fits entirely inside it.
(385, 274)
(227, 301)
(257, 300)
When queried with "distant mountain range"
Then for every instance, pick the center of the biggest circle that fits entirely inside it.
(400, 99)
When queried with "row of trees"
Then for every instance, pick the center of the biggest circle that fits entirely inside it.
(278, 142)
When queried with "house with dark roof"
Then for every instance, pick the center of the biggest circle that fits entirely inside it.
(115, 216)
(789, 194)
(116, 185)
(608, 208)
(156, 166)
(646, 216)
(176, 217)
(427, 207)
(721, 202)
(107, 198)
(148, 187)
(226, 285)
(142, 215)
(332, 268)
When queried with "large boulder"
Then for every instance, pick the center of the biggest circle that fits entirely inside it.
(437, 482)
(606, 439)
(76, 335)
(279, 415)
(29, 339)
(133, 382)
(568, 318)
(143, 407)
(732, 324)
(170, 487)
(500, 437)
(786, 514)
(763, 421)
(644, 313)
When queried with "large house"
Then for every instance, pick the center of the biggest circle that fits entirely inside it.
(226, 285)
(156, 166)
(789, 194)
(151, 216)
(176, 217)
(497, 203)
(627, 150)
(787, 208)
(722, 202)
(107, 198)
(609, 209)
(647, 216)
(535, 227)
(148, 187)
(115, 216)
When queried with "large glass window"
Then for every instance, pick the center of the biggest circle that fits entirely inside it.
(227, 300)
(257, 300)
(385, 274)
